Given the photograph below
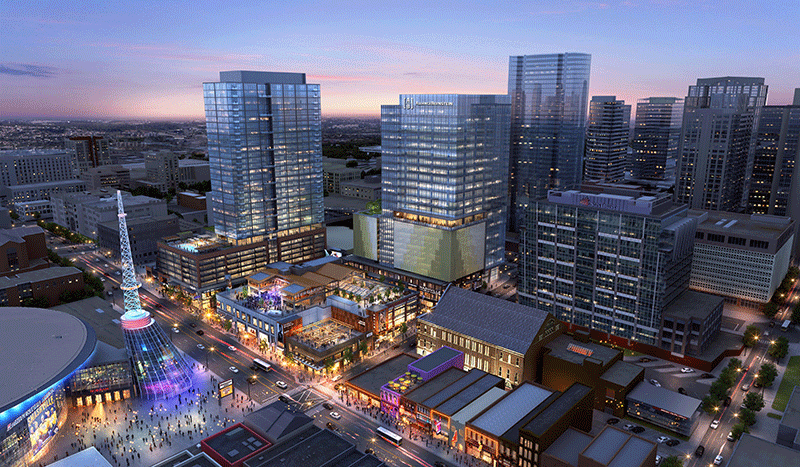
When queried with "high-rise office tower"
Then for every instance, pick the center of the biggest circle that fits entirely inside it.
(162, 170)
(549, 95)
(655, 136)
(775, 172)
(87, 152)
(444, 188)
(265, 157)
(606, 139)
(160, 370)
(608, 258)
(715, 143)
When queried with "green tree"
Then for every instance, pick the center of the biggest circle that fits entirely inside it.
(770, 309)
(672, 461)
(227, 325)
(262, 345)
(747, 416)
(363, 347)
(710, 404)
(735, 363)
(38, 302)
(403, 328)
(780, 348)
(738, 429)
(328, 363)
(796, 314)
(767, 374)
(347, 355)
(718, 390)
(751, 335)
(754, 401)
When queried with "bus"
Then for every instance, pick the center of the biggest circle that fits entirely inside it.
(785, 325)
(393, 438)
(261, 364)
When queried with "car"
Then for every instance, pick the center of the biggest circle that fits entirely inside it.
(336, 378)
(439, 464)
(637, 429)
(718, 460)
(672, 443)
(756, 384)
(744, 370)
(231, 348)
(714, 425)
(281, 384)
(199, 332)
(102, 279)
(335, 415)
(743, 406)
(233, 369)
(682, 391)
(118, 273)
(746, 387)
(662, 439)
(772, 323)
(727, 401)
(506, 286)
(194, 325)
(97, 260)
(730, 436)
(283, 398)
(707, 375)
(655, 383)
(110, 293)
(369, 451)
(331, 426)
(645, 360)
(201, 346)
(612, 421)
(699, 451)
(687, 370)
(659, 459)
(176, 330)
(627, 427)
(327, 405)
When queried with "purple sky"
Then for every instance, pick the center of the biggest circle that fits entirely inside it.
(142, 59)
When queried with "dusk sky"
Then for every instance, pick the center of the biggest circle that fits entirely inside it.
(142, 59)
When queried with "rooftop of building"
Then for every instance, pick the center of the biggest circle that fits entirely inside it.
(31, 152)
(324, 334)
(435, 359)
(198, 460)
(314, 447)
(508, 411)
(404, 383)
(565, 402)
(262, 77)
(477, 406)
(235, 443)
(31, 186)
(418, 277)
(137, 221)
(670, 401)
(492, 320)
(435, 384)
(100, 315)
(199, 243)
(18, 234)
(751, 451)
(568, 446)
(617, 448)
(622, 373)
(277, 420)
(89, 456)
(566, 348)
(40, 348)
(372, 379)
(745, 225)
(791, 416)
(693, 304)
(37, 275)
(451, 390)
(629, 197)
(366, 182)
(469, 394)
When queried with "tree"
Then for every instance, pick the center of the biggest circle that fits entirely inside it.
(767, 374)
(348, 355)
(754, 401)
(672, 461)
(751, 335)
(38, 302)
(328, 363)
(710, 404)
(351, 164)
(14, 215)
(738, 429)
(747, 416)
(770, 309)
(780, 348)
(403, 328)
(718, 390)
(363, 347)
(262, 345)
(796, 314)
(227, 325)
(735, 363)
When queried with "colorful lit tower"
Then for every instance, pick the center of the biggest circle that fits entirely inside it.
(160, 371)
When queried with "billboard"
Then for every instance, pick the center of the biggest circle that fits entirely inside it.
(225, 388)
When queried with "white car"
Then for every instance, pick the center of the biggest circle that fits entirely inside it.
(176, 330)
(661, 439)
(714, 424)
(655, 383)
(281, 384)
(335, 415)
(687, 370)
(232, 348)
(233, 369)
(201, 346)
(718, 460)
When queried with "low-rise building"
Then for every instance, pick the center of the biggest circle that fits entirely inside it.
(22, 249)
(49, 283)
(667, 409)
(82, 212)
(368, 188)
(497, 336)
(107, 176)
(194, 201)
(43, 207)
(335, 172)
(611, 447)
(41, 191)
(691, 322)
(751, 451)
(789, 428)
(144, 234)
(740, 256)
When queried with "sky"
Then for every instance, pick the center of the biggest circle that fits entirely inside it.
(144, 59)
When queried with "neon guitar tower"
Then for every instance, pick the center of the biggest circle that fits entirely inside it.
(160, 370)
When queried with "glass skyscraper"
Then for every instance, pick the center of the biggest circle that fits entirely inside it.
(715, 144)
(444, 187)
(549, 95)
(607, 139)
(265, 154)
(655, 136)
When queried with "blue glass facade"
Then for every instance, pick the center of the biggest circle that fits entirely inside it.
(655, 137)
(161, 371)
(445, 165)
(549, 96)
(265, 153)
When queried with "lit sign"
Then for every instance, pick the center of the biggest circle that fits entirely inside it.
(434, 103)
(225, 388)
(580, 350)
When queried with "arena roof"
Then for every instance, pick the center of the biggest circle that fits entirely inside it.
(40, 347)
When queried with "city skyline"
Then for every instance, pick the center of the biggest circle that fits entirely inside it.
(123, 61)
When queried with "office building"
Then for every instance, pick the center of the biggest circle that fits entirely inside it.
(34, 175)
(40, 191)
(144, 234)
(87, 152)
(114, 177)
(549, 95)
(444, 185)
(612, 447)
(162, 170)
(715, 143)
(662, 407)
(789, 428)
(82, 212)
(48, 283)
(335, 172)
(655, 136)
(264, 150)
(739, 256)
(751, 451)
(775, 173)
(608, 258)
(22, 249)
(42, 208)
(367, 189)
(606, 139)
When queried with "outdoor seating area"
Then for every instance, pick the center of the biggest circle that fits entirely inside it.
(266, 301)
(324, 334)
(366, 292)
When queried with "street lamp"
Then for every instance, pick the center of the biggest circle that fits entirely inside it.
(251, 381)
(210, 349)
